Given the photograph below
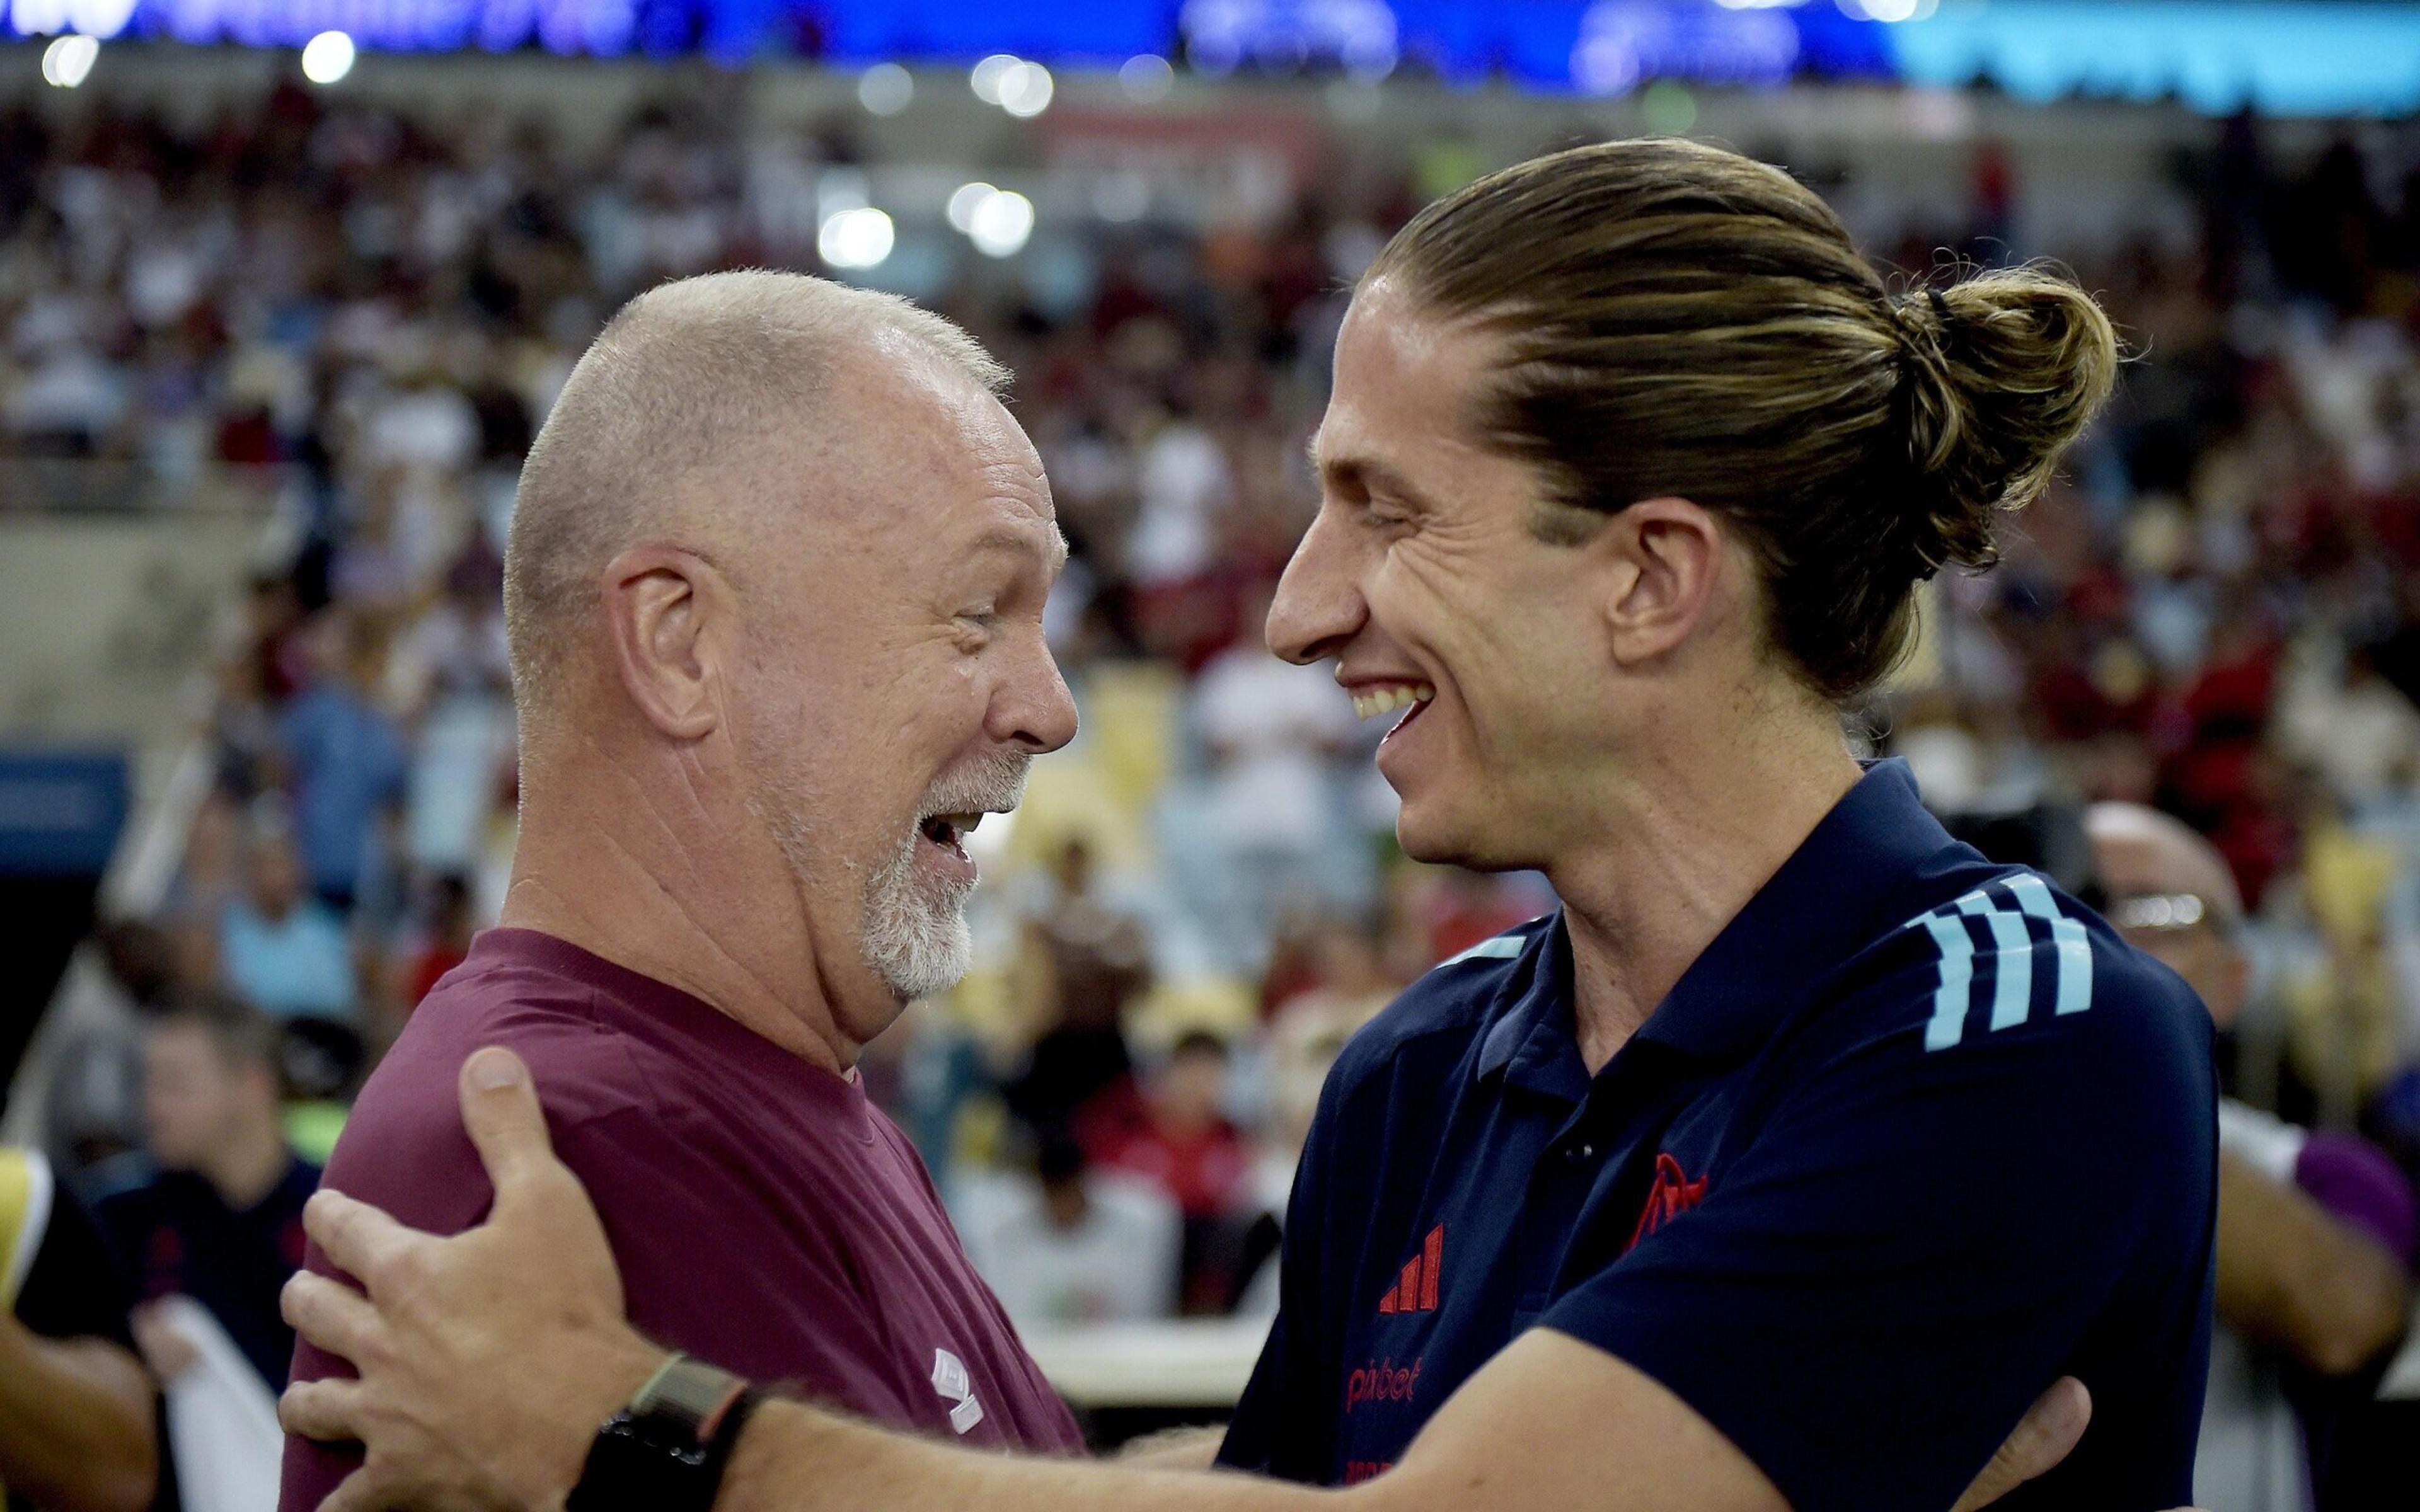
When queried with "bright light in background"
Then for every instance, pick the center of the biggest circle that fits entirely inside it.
(68, 61)
(327, 57)
(99, 18)
(1887, 10)
(985, 78)
(1758, 5)
(854, 239)
(1000, 223)
(1025, 90)
(965, 200)
(37, 18)
(885, 88)
(1146, 78)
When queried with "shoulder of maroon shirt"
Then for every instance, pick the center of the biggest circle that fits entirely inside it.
(403, 1148)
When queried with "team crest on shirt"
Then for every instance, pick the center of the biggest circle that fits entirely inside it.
(1672, 1195)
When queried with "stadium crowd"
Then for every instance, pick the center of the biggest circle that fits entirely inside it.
(2216, 613)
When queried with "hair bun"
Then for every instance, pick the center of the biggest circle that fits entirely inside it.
(2000, 374)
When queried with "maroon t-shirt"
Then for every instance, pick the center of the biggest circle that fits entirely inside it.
(766, 1217)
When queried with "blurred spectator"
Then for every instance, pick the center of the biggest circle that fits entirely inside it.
(1074, 1245)
(1176, 1135)
(77, 1423)
(446, 939)
(1080, 965)
(344, 760)
(283, 948)
(2316, 1230)
(1274, 732)
(222, 1221)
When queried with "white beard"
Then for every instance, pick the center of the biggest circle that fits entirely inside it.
(913, 932)
(915, 935)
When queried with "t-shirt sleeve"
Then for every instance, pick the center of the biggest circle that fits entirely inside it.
(1870, 1294)
(1272, 1432)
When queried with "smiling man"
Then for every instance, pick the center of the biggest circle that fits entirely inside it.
(1781, 1168)
(774, 592)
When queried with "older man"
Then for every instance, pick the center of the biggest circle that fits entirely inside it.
(774, 592)
(2309, 1224)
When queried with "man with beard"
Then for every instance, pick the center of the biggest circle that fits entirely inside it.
(774, 594)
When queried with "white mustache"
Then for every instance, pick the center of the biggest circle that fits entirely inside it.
(995, 784)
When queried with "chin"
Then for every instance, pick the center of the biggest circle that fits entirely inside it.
(1442, 833)
(1437, 839)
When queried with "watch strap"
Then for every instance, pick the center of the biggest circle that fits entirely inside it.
(666, 1452)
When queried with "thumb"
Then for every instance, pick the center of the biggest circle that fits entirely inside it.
(2048, 1433)
(501, 1112)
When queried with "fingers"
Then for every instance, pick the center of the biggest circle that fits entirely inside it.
(330, 1314)
(328, 1411)
(359, 1239)
(360, 1492)
(500, 1111)
(2046, 1435)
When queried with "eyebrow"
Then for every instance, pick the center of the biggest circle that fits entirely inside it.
(1369, 473)
(1021, 544)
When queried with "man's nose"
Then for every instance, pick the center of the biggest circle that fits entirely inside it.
(1318, 607)
(1034, 710)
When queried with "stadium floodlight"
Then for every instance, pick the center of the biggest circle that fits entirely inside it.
(67, 62)
(328, 57)
(1025, 90)
(854, 239)
(985, 78)
(1146, 78)
(1889, 11)
(1000, 223)
(885, 89)
(963, 201)
(99, 18)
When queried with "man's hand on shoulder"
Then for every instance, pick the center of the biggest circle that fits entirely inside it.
(528, 1305)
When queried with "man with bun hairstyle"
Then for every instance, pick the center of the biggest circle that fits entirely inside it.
(1786, 1163)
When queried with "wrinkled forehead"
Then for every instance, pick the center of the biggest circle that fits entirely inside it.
(908, 455)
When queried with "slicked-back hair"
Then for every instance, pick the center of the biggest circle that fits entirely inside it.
(1682, 320)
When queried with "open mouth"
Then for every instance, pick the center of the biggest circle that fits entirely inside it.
(1370, 703)
(950, 831)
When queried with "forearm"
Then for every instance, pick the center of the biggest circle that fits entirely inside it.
(1194, 1448)
(2290, 1276)
(75, 1423)
(795, 1459)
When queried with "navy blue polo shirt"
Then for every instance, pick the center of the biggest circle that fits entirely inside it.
(1915, 1136)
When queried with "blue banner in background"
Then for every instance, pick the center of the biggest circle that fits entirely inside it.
(2314, 57)
(60, 812)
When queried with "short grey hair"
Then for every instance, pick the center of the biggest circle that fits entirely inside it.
(689, 375)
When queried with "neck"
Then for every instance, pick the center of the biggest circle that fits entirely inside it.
(674, 893)
(1678, 852)
(252, 1163)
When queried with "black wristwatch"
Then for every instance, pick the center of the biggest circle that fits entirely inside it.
(666, 1451)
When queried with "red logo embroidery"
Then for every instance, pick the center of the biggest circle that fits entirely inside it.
(1672, 1195)
(1416, 1289)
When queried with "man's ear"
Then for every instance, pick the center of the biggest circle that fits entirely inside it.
(1669, 554)
(660, 604)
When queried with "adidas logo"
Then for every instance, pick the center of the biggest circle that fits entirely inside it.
(1416, 1289)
